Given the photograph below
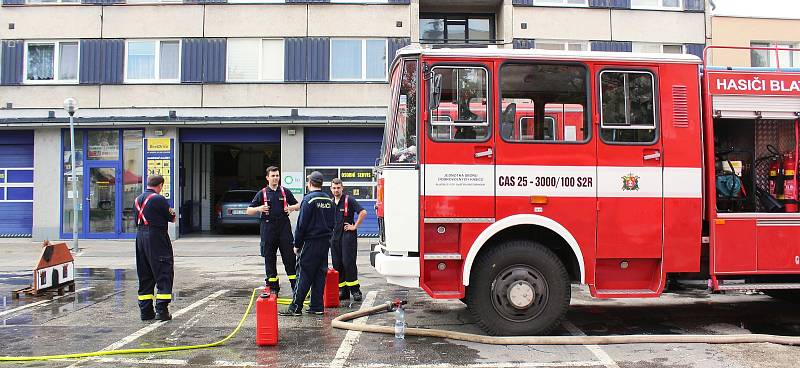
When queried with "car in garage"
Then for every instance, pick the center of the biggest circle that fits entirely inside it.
(232, 210)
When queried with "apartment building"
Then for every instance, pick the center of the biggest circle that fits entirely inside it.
(730, 27)
(210, 92)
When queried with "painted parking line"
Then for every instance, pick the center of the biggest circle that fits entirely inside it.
(42, 302)
(590, 363)
(351, 339)
(598, 352)
(151, 327)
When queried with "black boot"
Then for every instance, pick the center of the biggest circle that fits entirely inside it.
(344, 293)
(162, 313)
(356, 291)
(146, 310)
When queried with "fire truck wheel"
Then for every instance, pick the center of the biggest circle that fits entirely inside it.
(518, 288)
(787, 295)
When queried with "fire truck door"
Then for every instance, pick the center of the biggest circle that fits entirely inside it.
(629, 168)
(459, 147)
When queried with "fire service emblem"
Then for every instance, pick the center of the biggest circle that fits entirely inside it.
(630, 182)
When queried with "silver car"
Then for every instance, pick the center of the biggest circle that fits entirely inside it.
(232, 210)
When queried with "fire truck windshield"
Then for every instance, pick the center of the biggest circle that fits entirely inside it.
(401, 132)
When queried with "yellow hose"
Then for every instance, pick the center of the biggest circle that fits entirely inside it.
(341, 322)
(138, 351)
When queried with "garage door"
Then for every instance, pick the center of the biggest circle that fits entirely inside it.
(350, 154)
(16, 184)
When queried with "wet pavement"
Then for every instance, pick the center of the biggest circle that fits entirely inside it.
(215, 276)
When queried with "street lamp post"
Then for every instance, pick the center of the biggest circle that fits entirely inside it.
(71, 105)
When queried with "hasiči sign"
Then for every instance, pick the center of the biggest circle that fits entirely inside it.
(784, 84)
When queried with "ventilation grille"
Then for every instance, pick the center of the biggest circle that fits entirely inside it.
(680, 107)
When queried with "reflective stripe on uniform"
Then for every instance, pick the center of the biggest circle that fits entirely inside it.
(341, 284)
(292, 277)
(272, 279)
(351, 283)
(164, 296)
(320, 199)
(145, 297)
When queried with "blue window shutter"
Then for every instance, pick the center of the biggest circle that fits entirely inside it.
(395, 44)
(599, 3)
(619, 4)
(102, 2)
(294, 59)
(204, 1)
(406, 2)
(616, 46)
(113, 66)
(695, 49)
(91, 62)
(524, 43)
(12, 61)
(522, 2)
(319, 59)
(13, 2)
(694, 5)
(192, 60)
(215, 55)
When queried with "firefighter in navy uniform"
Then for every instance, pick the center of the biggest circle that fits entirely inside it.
(154, 262)
(344, 243)
(312, 239)
(274, 203)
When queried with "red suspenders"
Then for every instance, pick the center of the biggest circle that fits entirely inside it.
(345, 204)
(283, 192)
(140, 209)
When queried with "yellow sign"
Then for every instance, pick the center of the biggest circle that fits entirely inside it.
(161, 167)
(158, 144)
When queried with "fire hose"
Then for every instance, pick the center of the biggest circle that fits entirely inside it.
(343, 322)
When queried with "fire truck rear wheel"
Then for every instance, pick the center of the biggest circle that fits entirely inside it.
(518, 288)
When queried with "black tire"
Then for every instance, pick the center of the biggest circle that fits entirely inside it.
(523, 266)
(787, 295)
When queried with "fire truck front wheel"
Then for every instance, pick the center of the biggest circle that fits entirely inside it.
(518, 288)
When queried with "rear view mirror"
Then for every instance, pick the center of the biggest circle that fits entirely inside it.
(435, 95)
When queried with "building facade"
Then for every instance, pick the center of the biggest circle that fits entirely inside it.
(731, 29)
(210, 92)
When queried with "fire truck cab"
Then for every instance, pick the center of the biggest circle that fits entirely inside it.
(507, 175)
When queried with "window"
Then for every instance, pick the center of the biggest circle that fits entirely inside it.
(153, 61)
(132, 176)
(769, 58)
(151, 1)
(459, 29)
(657, 4)
(51, 62)
(51, 1)
(562, 45)
(354, 59)
(662, 48)
(255, 60)
(543, 103)
(628, 112)
(403, 136)
(561, 2)
(464, 99)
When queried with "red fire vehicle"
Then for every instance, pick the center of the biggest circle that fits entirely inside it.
(614, 170)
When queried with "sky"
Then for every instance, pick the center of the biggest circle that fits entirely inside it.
(758, 8)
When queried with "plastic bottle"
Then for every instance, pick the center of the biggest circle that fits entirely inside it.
(399, 321)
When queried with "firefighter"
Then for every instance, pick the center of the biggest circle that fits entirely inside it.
(344, 243)
(275, 203)
(154, 262)
(311, 243)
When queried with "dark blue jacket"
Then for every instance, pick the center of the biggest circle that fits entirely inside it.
(316, 218)
(156, 211)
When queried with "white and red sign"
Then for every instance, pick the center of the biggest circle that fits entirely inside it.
(767, 84)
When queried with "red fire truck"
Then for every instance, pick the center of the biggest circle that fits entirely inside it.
(614, 170)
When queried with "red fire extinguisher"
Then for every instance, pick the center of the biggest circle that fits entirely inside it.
(267, 318)
(331, 294)
(790, 182)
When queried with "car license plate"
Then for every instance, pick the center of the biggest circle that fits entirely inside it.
(239, 212)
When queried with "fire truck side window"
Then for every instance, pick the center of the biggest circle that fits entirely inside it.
(543, 103)
(404, 139)
(461, 113)
(628, 107)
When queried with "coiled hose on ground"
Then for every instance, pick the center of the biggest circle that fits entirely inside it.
(343, 322)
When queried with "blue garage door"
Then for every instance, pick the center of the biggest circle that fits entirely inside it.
(16, 183)
(349, 153)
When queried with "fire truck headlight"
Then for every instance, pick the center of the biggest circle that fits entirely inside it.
(441, 266)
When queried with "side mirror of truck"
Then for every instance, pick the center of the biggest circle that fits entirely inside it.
(435, 95)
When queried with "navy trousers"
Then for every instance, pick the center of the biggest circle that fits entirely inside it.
(154, 266)
(312, 269)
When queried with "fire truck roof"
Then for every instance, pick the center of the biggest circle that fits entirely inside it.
(549, 54)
